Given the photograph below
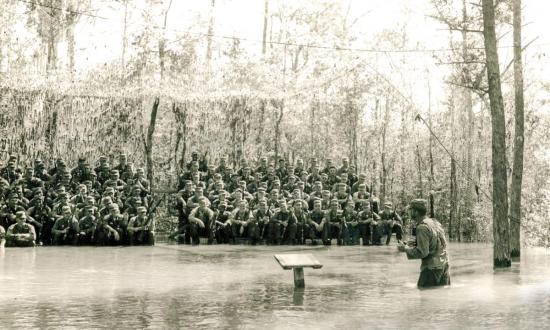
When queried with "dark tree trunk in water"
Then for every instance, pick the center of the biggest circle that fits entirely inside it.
(383, 151)
(517, 173)
(149, 142)
(454, 200)
(501, 226)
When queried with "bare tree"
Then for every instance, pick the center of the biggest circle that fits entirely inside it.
(517, 172)
(501, 226)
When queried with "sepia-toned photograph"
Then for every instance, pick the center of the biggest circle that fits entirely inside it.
(274, 164)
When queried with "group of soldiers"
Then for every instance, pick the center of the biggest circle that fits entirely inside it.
(85, 205)
(281, 203)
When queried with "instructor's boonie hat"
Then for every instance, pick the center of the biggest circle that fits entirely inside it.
(419, 204)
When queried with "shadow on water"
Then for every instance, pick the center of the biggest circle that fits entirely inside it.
(243, 287)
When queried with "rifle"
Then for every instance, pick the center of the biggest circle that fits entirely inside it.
(150, 213)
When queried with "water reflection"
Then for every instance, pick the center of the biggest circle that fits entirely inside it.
(243, 287)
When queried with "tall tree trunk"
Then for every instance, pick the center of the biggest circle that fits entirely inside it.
(384, 176)
(148, 142)
(453, 212)
(52, 44)
(264, 33)
(420, 183)
(259, 138)
(501, 226)
(468, 115)
(517, 173)
(124, 35)
(210, 33)
(162, 41)
(430, 146)
(71, 17)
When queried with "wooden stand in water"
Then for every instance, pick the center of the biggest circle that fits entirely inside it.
(297, 262)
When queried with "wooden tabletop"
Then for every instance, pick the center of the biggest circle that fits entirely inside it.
(289, 261)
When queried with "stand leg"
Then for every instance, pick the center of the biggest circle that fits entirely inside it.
(299, 281)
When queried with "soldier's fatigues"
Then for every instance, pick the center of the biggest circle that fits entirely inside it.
(16, 229)
(368, 227)
(350, 230)
(391, 223)
(71, 236)
(317, 217)
(288, 226)
(223, 232)
(207, 217)
(431, 247)
(42, 215)
(87, 227)
(333, 227)
(303, 229)
(141, 237)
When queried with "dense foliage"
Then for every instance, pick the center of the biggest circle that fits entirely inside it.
(308, 89)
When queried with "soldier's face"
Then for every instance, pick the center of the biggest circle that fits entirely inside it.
(283, 207)
(317, 206)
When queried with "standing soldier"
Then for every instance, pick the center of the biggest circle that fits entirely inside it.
(431, 247)
(20, 233)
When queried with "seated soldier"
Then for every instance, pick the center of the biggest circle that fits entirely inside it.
(391, 223)
(361, 196)
(333, 224)
(222, 227)
(341, 194)
(65, 230)
(141, 228)
(201, 221)
(20, 234)
(288, 222)
(326, 200)
(87, 226)
(182, 235)
(187, 191)
(316, 222)
(240, 218)
(368, 226)
(350, 222)
(299, 207)
(261, 218)
(246, 194)
(8, 212)
(112, 227)
(193, 202)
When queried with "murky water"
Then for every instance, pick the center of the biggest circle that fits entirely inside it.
(243, 287)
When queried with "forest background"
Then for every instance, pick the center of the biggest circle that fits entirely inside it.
(398, 87)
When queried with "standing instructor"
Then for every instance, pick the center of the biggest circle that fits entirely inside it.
(431, 247)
